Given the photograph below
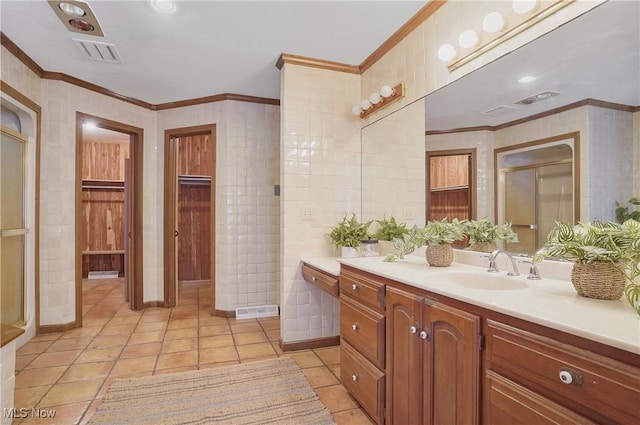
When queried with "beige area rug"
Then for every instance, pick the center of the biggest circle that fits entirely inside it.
(272, 391)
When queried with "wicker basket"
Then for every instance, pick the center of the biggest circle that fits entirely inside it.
(439, 255)
(599, 280)
(484, 246)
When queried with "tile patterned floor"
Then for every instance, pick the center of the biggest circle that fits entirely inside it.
(70, 372)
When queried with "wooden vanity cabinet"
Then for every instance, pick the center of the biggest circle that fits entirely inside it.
(433, 362)
(323, 280)
(362, 341)
(525, 369)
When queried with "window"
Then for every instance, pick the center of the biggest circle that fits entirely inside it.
(13, 228)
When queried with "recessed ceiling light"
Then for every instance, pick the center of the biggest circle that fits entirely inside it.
(72, 9)
(163, 6)
(527, 79)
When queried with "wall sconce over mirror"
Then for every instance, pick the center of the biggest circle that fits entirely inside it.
(378, 101)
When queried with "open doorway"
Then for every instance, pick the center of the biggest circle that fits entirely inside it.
(450, 186)
(189, 211)
(108, 206)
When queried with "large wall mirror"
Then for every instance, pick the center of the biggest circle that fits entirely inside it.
(586, 82)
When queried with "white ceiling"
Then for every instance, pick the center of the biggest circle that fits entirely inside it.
(597, 56)
(207, 47)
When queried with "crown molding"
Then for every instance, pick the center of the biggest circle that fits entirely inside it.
(216, 98)
(58, 76)
(413, 23)
(8, 44)
(316, 63)
(574, 105)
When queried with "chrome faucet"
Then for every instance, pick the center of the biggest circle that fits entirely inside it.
(492, 262)
(534, 274)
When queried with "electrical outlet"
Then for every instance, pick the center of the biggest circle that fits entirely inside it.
(307, 213)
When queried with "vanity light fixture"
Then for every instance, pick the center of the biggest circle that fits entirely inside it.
(377, 101)
(493, 22)
(524, 6)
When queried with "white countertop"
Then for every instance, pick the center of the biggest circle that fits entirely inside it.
(549, 302)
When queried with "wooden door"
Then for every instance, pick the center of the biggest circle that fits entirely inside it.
(404, 359)
(128, 270)
(194, 229)
(451, 366)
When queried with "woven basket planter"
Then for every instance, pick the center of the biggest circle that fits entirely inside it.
(484, 246)
(599, 280)
(439, 255)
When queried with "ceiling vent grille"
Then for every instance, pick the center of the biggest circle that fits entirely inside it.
(104, 52)
(499, 110)
(537, 97)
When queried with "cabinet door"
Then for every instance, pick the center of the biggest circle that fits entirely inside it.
(404, 361)
(451, 366)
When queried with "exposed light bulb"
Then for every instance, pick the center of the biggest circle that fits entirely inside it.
(72, 10)
(468, 39)
(493, 22)
(446, 52)
(365, 104)
(524, 6)
(356, 110)
(386, 91)
(375, 98)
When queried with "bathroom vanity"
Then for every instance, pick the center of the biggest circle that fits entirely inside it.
(451, 345)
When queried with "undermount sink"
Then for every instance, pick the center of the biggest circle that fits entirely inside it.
(482, 281)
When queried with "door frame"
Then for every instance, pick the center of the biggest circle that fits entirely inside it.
(135, 153)
(472, 177)
(171, 137)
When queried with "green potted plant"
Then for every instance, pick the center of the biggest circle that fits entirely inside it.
(484, 235)
(606, 256)
(387, 231)
(348, 234)
(631, 210)
(438, 236)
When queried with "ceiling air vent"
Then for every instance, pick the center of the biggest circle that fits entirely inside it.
(537, 97)
(499, 110)
(104, 52)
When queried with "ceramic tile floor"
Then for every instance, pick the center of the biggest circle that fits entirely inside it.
(70, 372)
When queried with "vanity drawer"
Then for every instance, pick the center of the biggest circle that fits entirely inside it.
(362, 289)
(325, 281)
(363, 380)
(511, 404)
(364, 329)
(603, 385)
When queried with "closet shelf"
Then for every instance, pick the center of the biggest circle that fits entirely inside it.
(446, 188)
(103, 184)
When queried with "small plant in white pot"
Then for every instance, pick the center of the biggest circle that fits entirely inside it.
(606, 258)
(348, 234)
(484, 235)
(387, 231)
